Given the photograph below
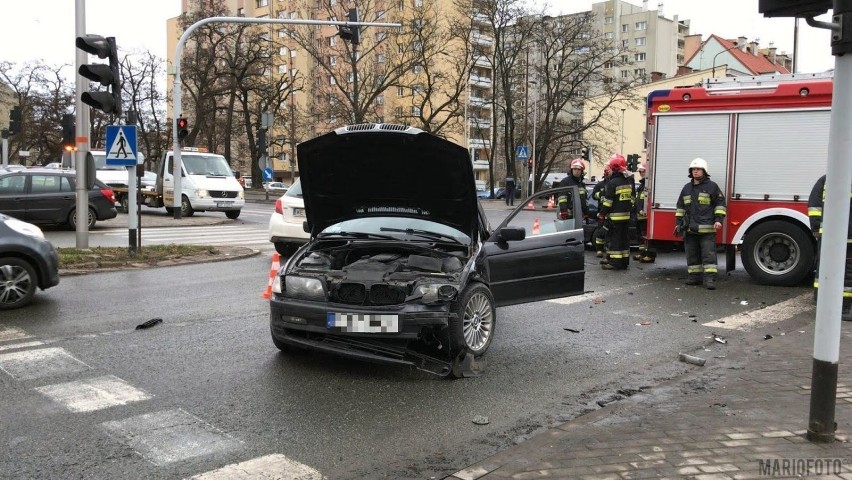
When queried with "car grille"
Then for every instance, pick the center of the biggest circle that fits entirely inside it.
(222, 194)
(379, 294)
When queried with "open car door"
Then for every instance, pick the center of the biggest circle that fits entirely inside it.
(537, 252)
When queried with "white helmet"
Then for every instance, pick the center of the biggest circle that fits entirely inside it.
(699, 163)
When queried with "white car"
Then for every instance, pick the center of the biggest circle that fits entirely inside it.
(276, 187)
(286, 229)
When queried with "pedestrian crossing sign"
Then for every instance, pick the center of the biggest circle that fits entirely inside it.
(121, 145)
(523, 152)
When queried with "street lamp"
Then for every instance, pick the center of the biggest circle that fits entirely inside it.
(533, 158)
(714, 58)
(622, 131)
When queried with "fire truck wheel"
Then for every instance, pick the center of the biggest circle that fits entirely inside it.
(778, 253)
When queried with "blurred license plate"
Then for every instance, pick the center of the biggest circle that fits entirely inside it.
(363, 323)
(298, 212)
(224, 204)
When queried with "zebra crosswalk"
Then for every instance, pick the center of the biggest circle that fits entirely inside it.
(222, 235)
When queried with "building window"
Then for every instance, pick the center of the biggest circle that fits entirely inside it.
(331, 80)
(640, 41)
(640, 57)
(609, 35)
(417, 23)
(641, 25)
(418, 3)
(262, 3)
(417, 88)
(381, 36)
(398, 112)
(380, 58)
(400, 91)
(608, 65)
(418, 46)
(241, 12)
(415, 111)
(282, 33)
(400, 5)
(625, 43)
(624, 59)
(640, 72)
(332, 60)
(624, 74)
(608, 20)
(282, 69)
(380, 15)
(380, 100)
(332, 41)
(282, 51)
(418, 68)
(625, 28)
(350, 77)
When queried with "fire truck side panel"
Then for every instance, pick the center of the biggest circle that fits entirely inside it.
(749, 213)
(780, 154)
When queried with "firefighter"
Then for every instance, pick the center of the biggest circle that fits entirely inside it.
(700, 212)
(616, 205)
(600, 232)
(646, 253)
(575, 178)
(815, 204)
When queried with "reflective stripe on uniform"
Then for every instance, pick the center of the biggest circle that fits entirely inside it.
(680, 212)
(706, 229)
(694, 269)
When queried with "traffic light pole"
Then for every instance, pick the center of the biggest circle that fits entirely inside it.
(176, 90)
(5, 147)
(82, 140)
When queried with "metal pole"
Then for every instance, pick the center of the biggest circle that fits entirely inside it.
(176, 89)
(132, 218)
(533, 156)
(5, 150)
(82, 140)
(821, 423)
(523, 184)
(621, 151)
(292, 122)
(795, 45)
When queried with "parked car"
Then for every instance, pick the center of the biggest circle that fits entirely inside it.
(501, 193)
(27, 262)
(276, 187)
(401, 266)
(286, 229)
(484, 192)
(148, 180)
(47, 196)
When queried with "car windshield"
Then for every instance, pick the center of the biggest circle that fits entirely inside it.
(206, 164)
(398, 226)
(295, 190)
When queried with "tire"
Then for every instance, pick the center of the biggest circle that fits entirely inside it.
(72, 219)
(285, 249)
(232, 214)
(18, 283)
(472, 330)
(186, 207)
(170, 211)
(778, 253)
(125, 203)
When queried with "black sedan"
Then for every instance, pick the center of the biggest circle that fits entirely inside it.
(409, 272)
(47, 197)
(27, 262)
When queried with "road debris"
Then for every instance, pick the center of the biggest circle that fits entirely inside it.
(149, 323)
(744, 302)
(643, 323)
(598, 300)
(571, 330)
(719, 339)
(481, 420)
(691, 359)
(767, 336)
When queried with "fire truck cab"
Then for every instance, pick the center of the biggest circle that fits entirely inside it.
(765, 140)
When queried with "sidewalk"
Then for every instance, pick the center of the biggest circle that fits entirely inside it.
(717, 422)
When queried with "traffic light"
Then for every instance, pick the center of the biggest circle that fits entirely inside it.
(106, 75)
(530, 164)
(15, 120)
(261, 142)
(69, 133)
(793, 8)
(351, 32)
(182, 128)
(632, 161)
(585, 154)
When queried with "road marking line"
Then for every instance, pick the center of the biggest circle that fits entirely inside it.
(93, 393)
(43, 362)
(266, 467)
(12, 333)
(170, 436)
(765, 316)
(592, 295)
(15, 346)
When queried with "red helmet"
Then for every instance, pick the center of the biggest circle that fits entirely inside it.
(607, 170)
(617, 163)
(577, 163)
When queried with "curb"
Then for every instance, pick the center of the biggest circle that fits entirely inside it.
(226, 254)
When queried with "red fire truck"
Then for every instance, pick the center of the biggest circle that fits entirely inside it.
(765, 140)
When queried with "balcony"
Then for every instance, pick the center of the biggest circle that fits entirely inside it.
(480, 165)
(479, 81)
(479, 143)
(481, 19)
(482, 61)
(480, 123)
(480, 39)
(480, 102)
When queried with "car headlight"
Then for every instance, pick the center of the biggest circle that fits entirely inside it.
(304, 287)
(201, 193)
(24, 227)
(241, 194)
(436, 292)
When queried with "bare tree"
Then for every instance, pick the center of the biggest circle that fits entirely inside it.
(141, 74)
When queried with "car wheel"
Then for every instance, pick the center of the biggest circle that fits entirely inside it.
(186, 207)
(18, 282)
(778, 253)
(285, 249)
(232, 214)
(125, 203)
(72, 219)
(472, 330)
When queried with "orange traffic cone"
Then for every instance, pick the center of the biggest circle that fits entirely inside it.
(550, 203)
(536, 226)
(272, 272)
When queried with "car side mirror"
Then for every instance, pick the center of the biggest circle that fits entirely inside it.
(509, 234)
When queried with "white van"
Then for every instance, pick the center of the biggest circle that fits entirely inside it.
(207, 183)
(112, 175)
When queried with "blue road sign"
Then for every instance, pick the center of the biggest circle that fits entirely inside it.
(121, 145)
(267, 173)
(523, 152)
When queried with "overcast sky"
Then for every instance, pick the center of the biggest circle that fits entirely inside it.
(44, 30)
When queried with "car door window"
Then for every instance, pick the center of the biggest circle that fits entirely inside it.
(49, 184)
(546, 214)
(12, 184)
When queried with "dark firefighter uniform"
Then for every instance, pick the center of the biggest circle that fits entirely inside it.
(603, 226)
(616, 207)
(698, 208)
(816, 200)
(572, 181)
(645, 254)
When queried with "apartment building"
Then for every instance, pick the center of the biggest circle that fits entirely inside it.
(319, 91)
(742, 56)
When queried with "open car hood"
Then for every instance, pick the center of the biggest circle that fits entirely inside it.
(386, 170)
